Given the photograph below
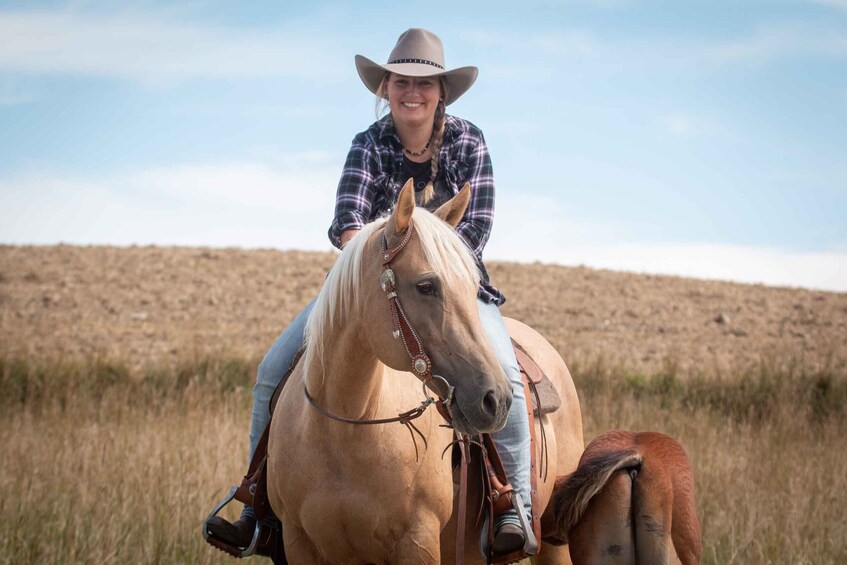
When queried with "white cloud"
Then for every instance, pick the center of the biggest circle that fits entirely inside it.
(141, 47)
(530, 228)
(307, 189)
(775, 267)
(240, 204)
(840, 4)
(288, 205)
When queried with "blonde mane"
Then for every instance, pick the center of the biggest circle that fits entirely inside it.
(340, 296)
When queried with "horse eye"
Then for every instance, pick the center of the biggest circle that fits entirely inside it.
(425, 288)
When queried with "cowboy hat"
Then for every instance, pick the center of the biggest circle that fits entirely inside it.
(418, 53)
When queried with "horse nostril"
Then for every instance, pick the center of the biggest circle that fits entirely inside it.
(490, 403)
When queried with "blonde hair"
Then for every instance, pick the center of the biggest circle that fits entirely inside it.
(435, 140)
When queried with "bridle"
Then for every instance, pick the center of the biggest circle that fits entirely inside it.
(421, 363)
(422, 369)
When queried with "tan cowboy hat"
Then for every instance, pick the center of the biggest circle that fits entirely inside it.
(418, 53)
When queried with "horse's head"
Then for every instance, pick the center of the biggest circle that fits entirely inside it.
(436, 281)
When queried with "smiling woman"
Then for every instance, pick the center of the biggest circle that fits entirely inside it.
(417, 88)
(417, 141)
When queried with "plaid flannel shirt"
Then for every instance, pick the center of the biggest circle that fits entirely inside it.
(373, 176)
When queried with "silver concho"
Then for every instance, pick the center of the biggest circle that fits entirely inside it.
(420, 366)
(386, 277)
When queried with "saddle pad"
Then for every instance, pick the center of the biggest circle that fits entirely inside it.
(545, 398)
(548, 395)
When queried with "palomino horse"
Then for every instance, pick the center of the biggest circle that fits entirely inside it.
(631, 500)
(372, 493)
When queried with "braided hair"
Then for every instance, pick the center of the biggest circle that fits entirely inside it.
(435, 143)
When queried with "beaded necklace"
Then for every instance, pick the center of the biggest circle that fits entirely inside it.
(417, 153)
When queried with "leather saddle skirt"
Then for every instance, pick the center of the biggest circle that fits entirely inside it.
(545, 398)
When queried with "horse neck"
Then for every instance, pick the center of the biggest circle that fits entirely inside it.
(346, 379)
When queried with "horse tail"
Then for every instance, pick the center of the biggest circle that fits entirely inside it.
(573, 492)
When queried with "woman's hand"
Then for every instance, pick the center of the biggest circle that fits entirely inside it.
(347, 236)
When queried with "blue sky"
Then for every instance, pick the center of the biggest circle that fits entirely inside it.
(703, 139)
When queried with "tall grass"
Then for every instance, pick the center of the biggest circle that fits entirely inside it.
(102, 464)
(768, 451)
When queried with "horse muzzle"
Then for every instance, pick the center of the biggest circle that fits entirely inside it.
(474, 413)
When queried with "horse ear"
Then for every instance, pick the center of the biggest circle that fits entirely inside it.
(401, 217)
(453, 210)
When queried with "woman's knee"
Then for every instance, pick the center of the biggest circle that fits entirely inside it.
(264, 386)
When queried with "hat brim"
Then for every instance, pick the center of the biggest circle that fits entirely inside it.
(458, 80)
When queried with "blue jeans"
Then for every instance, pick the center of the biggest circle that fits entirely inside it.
(512, 441)
(271, 370)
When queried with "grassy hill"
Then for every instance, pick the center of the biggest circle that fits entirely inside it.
(125, 378)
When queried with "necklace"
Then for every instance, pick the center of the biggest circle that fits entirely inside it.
(417, 153)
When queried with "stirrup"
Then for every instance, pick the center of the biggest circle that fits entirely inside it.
(530, 546)
(222, 545)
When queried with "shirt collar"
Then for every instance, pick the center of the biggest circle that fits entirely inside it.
(386, 128)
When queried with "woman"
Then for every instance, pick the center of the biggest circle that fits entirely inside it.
(416, 139)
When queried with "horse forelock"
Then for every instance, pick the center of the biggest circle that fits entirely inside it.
(445, 251)
(341, 294)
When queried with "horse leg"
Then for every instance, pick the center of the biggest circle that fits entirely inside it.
(422, 541)
(652, 504)
(686, 539)
(685, 529)
(604, 533)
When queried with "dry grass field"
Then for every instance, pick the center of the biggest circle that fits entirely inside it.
(125, 378)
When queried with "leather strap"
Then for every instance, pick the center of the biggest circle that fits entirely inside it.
(501, 490)
(389, 254)
(533, 445)
(421, 363)
(461, 518)
(500, 496)
(527, 364)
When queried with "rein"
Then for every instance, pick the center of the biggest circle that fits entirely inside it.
(404, 418)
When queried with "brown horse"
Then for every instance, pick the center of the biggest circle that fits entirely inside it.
(631, 500)
(370, 493)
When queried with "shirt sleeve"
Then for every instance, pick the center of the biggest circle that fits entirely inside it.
(475, 225)
(355, 194)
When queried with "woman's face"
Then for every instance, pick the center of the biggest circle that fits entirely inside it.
(413, 100)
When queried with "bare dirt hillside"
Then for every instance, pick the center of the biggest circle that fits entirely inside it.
(151, 304)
